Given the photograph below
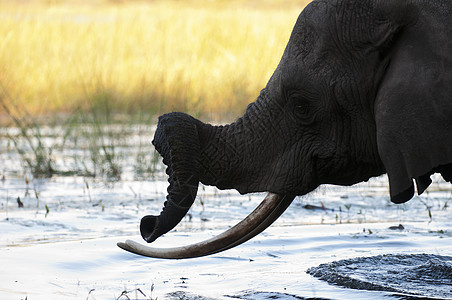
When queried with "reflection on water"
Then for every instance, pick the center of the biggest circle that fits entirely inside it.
(62, 242)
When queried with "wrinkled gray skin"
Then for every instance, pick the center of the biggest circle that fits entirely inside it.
(363, 88)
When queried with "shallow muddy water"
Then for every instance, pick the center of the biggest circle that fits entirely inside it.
(356, 244)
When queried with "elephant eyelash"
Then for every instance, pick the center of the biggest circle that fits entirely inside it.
(300, 102)
(302, 109)
(303, 113)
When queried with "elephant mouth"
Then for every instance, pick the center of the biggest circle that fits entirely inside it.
(257, 221)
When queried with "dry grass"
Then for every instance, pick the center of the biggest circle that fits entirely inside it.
(203, 57)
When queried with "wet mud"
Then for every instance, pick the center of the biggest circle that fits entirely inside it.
(426, 275)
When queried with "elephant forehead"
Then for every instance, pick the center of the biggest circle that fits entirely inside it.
(307, 37)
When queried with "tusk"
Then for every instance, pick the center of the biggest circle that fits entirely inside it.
(257, 221)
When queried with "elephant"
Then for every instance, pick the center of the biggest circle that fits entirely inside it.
(363, 88)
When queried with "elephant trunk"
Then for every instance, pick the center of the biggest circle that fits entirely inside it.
(176, 139)
(228, 157)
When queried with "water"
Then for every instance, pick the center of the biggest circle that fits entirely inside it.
(62, 243)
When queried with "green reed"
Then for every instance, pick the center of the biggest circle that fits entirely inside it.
(36, 156)
(90, 143)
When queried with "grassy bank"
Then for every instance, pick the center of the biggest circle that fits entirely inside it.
(208, 58)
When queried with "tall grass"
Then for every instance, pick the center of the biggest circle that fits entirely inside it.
(35, 156)
(203, 57)
(93, 59)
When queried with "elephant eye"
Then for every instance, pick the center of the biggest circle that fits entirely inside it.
(301, 105)
(302, 110)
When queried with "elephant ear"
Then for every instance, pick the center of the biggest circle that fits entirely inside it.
(413, 108)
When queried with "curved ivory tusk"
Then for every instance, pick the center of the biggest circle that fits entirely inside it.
(257, 221)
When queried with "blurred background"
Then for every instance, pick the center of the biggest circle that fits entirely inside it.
(82, 82)
(205, 57)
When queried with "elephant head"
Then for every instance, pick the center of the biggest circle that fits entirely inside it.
(364, 87)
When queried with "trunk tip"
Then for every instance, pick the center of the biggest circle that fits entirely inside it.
(148, 228)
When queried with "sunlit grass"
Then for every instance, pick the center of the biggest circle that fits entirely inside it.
(203, 57)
